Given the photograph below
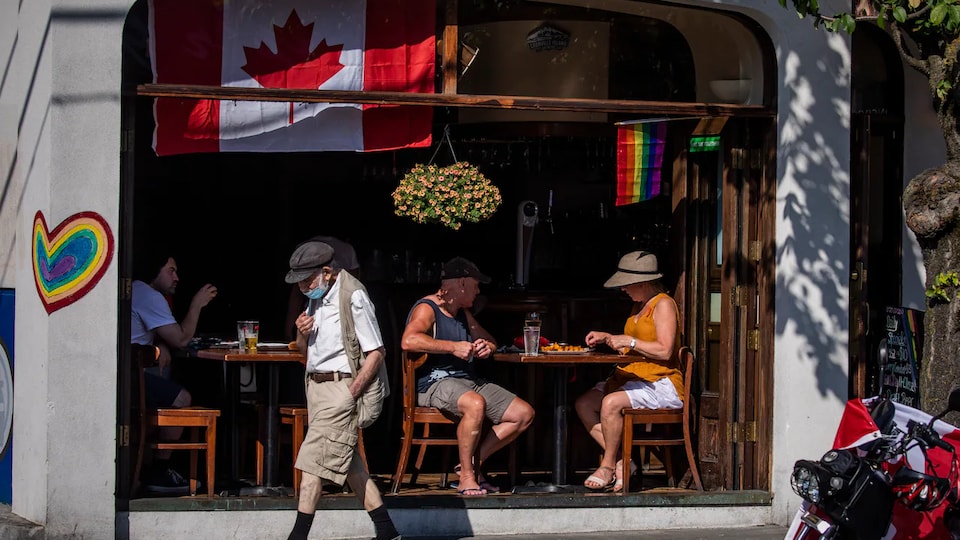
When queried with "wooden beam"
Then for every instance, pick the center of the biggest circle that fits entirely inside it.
(451, 49)
(659, 108)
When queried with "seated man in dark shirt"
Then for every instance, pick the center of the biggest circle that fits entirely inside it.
(442, 325)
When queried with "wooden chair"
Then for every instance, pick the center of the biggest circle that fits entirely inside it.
(295, 416)
(191, 418)
(414, 416)
(676, 419)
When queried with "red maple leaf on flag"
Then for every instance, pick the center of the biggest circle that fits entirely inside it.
(294, 65)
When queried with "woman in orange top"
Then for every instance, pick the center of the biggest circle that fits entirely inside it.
(651, 380)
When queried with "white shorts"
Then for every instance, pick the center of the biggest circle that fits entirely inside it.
(650, 395)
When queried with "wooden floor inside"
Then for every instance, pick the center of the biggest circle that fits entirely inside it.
(651, 481)
(649, 489)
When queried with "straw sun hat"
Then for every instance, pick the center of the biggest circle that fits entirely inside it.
(634, 267)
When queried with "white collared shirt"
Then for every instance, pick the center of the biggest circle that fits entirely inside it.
(325, 350)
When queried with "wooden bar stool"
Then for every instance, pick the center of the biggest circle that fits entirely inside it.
(192, 418)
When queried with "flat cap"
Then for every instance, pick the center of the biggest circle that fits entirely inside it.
(307, 259)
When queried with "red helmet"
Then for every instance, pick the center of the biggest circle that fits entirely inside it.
(919, 491)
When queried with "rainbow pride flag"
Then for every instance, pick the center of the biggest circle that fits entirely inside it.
(639, 158)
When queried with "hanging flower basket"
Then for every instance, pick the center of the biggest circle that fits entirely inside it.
(448, 195)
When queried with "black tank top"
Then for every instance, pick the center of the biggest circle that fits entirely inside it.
(440, 366)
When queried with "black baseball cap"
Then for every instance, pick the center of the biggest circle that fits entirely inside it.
(307, 259)
(458, 267)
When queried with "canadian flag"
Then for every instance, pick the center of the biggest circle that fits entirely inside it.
(363, 45)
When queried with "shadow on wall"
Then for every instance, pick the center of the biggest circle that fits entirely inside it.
(813, 259)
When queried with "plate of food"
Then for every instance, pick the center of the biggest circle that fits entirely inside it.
(564, 348)
(273, 346)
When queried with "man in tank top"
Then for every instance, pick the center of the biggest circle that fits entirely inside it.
(442, 325)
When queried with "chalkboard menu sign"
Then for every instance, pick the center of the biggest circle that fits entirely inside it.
(900, 356)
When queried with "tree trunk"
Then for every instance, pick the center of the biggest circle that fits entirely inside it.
(932, 204)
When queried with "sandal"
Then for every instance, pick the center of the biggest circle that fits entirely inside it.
(597, 480)
(485, 484)
(618, 485)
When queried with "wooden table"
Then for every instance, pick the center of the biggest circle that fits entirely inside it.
(562, 362)
(232, 358)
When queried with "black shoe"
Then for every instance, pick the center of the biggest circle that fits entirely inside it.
(168, 481)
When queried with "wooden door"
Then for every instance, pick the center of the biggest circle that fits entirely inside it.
(730, 194)
(875, 242)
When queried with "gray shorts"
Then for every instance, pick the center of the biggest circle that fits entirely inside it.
(444, 394)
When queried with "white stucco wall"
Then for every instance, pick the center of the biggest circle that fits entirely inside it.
(11, 92)
(812, 239)
(68, 155)
(27, 97)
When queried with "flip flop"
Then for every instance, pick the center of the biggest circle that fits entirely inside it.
(482, 480)
(490, 488)
(472, 492)
(597, 483)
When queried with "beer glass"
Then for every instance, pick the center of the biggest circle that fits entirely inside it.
(247, 332)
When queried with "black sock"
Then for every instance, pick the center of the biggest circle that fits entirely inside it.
(301, 527)
(383, 524)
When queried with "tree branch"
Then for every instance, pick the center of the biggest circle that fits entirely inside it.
(919, 14)
(916, 63)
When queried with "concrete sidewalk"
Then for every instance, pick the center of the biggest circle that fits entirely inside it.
(766, 532)
(14, 527)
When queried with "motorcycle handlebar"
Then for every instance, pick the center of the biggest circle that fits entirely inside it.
(940, 443)
(928, 436)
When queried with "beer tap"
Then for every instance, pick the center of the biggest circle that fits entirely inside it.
(549, 218)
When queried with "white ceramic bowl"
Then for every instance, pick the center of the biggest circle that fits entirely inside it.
(731, 90)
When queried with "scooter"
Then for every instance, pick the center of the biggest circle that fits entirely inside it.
(893, 473)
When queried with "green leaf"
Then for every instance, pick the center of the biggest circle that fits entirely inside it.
(943, 88)
(849, 23)
(937, 14)
(899, 14)
(954, 14)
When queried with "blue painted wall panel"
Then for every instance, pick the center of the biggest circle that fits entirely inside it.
(6, 394)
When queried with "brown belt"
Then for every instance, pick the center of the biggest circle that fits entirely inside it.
(327, 376)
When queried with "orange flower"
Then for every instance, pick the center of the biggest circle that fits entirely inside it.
(447, 195)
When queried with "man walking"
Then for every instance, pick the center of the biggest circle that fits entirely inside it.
(346, 383)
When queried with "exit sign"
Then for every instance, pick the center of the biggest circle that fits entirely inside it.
(707, 143)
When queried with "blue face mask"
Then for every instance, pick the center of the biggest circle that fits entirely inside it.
(316, 294)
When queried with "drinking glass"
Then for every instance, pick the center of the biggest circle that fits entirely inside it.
(532, 319)
(247, 333)
(531, 340)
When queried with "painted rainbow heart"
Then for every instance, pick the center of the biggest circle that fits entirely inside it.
(69, 261)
